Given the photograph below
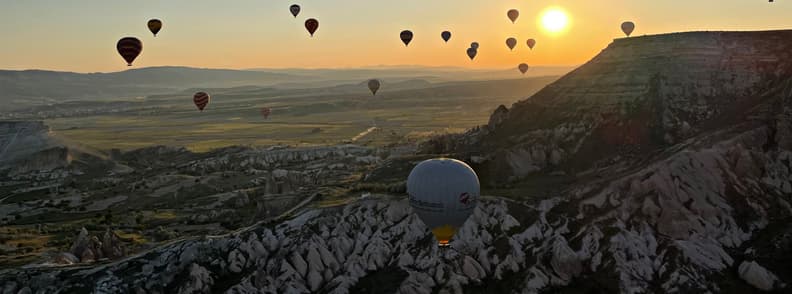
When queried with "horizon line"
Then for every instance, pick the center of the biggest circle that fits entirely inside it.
(369, 67)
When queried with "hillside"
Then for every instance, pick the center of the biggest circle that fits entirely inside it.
(410, 108)
(34, 87)
(40, 87)
(639, 97)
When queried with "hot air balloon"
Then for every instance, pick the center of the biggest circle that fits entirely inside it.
(129, 48)
(531, 43)
(265, 112)
(446, 35)
(155, 25)
(627, 27)
(513, 15)
(406, 36)
(201, 99)
(474, 45)
(511, 42)
(443, 193)
(295, 10)
(523, 67)
(374, 85)
(471, 52)
(311, 25)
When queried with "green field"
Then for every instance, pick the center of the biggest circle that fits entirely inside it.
(322, 116)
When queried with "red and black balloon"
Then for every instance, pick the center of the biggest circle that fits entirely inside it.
(129, 48)
(201, 99)
(311, 25)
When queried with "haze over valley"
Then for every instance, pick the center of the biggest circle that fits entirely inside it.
(289, 154)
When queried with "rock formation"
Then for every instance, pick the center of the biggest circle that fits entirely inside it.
(88, 249)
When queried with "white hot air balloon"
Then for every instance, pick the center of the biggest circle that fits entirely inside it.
(443, 193)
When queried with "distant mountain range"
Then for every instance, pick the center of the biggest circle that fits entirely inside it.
(35, 87)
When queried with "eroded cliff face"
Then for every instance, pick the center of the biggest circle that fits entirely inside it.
(637, 97)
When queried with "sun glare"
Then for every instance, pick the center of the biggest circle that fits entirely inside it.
(554, 20)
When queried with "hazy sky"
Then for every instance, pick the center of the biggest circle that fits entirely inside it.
(80, 35)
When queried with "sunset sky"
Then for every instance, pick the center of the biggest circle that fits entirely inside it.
(80, 35)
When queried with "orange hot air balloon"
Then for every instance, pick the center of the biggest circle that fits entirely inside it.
(155, 25)
(201, 99)
(628, 27)
(311, 25)
(129, 48)
(531, 43)
(511, 43)
(523, 67)
(513, 15)
(406, 36)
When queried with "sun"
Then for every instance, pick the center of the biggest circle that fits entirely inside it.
(554, 20)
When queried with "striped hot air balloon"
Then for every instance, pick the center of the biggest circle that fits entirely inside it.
(265, 112)
(201, 99)
(129, 48)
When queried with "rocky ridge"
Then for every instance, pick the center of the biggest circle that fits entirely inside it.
(636, 98)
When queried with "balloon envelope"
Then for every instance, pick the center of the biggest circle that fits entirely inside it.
(154, 25)
(201, 99)
(523, 67)
(513, 15)
(531, 43)
(311, 25)
(374, 85)
(627, 27)
(406, 36)
(446, 35)
(472, 53)
(511, 42)
(443, 193)
(294, 9)
(474, 45)
(129, 48)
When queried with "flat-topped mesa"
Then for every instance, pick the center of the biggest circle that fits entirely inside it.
(644, 93)
(708, 64)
